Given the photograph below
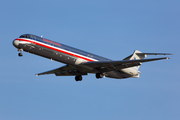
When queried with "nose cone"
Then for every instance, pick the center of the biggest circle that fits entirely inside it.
(16, 43)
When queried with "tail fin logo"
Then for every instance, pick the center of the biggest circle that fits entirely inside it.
(133, 58)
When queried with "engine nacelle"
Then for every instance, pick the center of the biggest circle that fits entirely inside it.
(133, 71)
(79, 61)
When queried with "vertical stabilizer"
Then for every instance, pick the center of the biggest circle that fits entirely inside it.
(137, 56)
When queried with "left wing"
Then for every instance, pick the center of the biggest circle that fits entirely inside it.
(64, 71)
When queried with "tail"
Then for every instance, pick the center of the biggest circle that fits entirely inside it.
(139, 55)
(136, 56)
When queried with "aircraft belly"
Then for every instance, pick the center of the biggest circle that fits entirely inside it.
(48, 53)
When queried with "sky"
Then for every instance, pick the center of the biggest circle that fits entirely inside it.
(109, 28)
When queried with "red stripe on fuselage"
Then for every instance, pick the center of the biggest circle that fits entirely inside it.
(55, 49)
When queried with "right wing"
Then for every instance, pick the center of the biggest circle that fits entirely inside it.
(130, 63)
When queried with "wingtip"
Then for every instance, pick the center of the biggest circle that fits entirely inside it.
(167, 58)
(37, 75)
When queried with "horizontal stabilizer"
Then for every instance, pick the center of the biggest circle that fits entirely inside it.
(154, 54)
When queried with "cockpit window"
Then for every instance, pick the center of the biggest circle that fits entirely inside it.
(25, 36)
(22, 36)
(28, 36)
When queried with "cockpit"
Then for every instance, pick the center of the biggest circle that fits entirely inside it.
(25, 36)
(30, 36)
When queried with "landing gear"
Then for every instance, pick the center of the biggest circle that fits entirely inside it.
(99, 75)
(20, 54)
(78, 78)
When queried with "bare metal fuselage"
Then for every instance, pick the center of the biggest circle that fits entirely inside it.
(79, 62)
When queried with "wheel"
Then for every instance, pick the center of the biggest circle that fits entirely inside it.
(99, 75)
(78, 78)
(20, 54)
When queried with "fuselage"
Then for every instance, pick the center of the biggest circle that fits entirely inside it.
(62, 53)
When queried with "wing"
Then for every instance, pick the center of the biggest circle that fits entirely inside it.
(95, 67)
(64, 71)
(105, 66)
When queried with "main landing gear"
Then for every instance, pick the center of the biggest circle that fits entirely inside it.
(20, 54)
(78, 78)
(99, 75)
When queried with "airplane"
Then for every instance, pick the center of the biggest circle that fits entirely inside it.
(79, 62)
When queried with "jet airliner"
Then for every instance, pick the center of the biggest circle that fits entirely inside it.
(79, 62)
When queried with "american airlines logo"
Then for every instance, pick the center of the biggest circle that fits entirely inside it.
(49, 41)
(134, 58)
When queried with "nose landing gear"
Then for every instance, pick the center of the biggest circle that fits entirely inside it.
(20, 54)
(99, 75)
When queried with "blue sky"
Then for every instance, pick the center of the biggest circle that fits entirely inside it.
(112, 29)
